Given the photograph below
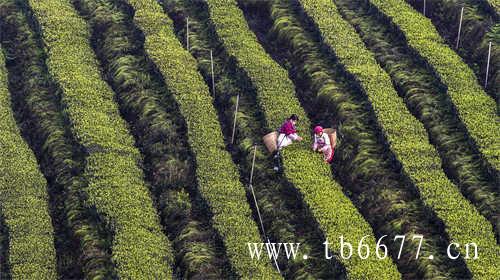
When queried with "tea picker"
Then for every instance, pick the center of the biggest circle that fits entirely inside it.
(285, 136)
(324, 142)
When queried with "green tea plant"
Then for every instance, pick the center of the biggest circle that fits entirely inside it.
(405, 134)
(285, 217)
(82, 245)
(158, 131)
(480, 26)
(115, 181)
(426, 98)
(334, 212)
(217, 176)
(23, 199)
(476, 109)
(365, 167)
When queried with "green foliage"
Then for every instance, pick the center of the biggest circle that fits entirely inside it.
(115, 181)
(362, 163)
(495, 4)
(23, 199)
(81, 243)
(217, 176)
(480, 26)
(158, 130)
(476, 109)
(334, 212)
(285, 216)
(407, 137)
(426, 97)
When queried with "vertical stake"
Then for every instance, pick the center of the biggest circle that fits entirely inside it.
(212, 69)
(460, 27)
(487, 66)
(257, 206)
(253, 164)
(187, 33)
(424, 7)
(235, 117)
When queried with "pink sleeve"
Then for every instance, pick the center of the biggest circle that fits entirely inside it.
(287, 128)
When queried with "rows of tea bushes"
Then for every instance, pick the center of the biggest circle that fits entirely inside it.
(81, 243)
(115, 180)
(217, 176)
(480, 26)
(476, 109)
(285, 217)
(159, 135)
(335, 213)
(426, 98)
(23, 200)
(407, 137)
(363, 164)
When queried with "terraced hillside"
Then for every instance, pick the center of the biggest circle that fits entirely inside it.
(480, 27)
(131, 139)
(26, 229)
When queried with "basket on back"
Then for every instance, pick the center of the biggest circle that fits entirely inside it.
(332, 133)
(271, 141)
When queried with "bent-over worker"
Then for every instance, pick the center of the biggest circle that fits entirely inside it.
(323, 144)
(288, 132)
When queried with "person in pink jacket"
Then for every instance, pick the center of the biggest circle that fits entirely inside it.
(288, 132)
(323, 144)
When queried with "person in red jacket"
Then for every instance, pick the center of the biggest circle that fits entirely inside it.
(288, 132)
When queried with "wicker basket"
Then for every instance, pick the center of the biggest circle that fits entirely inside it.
(271, 141)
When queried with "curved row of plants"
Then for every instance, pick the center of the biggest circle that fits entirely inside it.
(480, 26)
(363, 163)
(495, 5)
(115, 180)
(158, 129)
(217, 177)
(334, 212)
(82, 244)
(23, 199)
(426, 98)
(476, 109)
(285, 217)
(406, 136)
